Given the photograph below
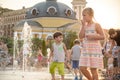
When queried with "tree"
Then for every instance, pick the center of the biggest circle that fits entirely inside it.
(9, 42)
(44, 48)
(69, 37)
(39, 43)
(36, 44)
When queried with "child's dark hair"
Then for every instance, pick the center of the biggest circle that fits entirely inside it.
(76, 41)
(111, 31)
(56, 34)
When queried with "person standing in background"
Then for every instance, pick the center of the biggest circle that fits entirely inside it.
(39, 58)
(91, 53)
(115, 35)
(75, 56)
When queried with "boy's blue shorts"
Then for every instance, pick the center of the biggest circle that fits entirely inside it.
(75, 64)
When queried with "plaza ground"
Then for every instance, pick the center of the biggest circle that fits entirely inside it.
(42, 74)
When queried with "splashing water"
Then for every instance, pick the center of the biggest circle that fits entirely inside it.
(26, 35)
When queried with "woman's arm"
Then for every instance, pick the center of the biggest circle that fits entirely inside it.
(100, 32)
(82, 30)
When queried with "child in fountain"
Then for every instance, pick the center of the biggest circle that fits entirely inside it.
(57, 54)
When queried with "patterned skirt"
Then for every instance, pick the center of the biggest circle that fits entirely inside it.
(91, 54)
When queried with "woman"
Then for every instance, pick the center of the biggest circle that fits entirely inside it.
(91, 54)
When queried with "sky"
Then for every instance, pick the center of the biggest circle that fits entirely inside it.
(107, 12)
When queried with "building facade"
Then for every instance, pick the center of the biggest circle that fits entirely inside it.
(44, 18)
(78, 6)
(9, 20)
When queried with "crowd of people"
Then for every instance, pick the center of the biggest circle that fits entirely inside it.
(112, 52)
(86, 55)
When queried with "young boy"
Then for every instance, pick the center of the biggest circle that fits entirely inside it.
(57, 54)
(75, 55)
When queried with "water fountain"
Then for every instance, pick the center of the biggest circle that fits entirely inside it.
(26, 48)
(26, 37)
(15, 49)
(48, 51)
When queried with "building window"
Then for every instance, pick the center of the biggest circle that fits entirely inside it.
(12, 25)
(68, 12)
(51, 10)
(34, 11)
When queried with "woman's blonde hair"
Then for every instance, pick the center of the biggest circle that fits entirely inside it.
(89, 11)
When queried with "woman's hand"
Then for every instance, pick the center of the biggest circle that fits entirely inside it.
(90, 37)
(93, 37)
(83, 22)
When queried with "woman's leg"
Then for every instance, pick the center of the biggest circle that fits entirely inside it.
(53, 76)
(86, 73)
(94, 73)
(62, 77)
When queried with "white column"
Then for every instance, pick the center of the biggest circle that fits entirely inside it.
(40, 35)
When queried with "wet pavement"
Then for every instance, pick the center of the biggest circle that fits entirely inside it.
(42, 74)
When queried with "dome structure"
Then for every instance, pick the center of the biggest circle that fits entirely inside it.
(50, 8)
(35, 26)
(47, 17)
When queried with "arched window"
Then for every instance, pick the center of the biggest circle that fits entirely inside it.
(51, 10)
(34, 11)
(68, 12)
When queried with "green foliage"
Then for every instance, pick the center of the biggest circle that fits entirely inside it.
(44, 48)
(10, 45)
(9, 42)
(36, 44)
(69, 37)
(20, 43)
(39, 43)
